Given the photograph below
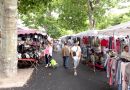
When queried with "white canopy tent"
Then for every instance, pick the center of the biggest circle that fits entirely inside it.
(87, 33)
(118, 30)
(81, 34)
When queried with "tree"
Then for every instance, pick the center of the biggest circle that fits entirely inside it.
(8, 59)
(74, 15)
(97, 10)
(33, 6)
(33, 11)
(112, 20)
(80, 15)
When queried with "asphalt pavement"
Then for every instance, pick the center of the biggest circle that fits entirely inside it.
(63, 79)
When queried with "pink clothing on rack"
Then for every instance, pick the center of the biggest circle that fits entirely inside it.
(118, 45)
(114, 70)
(123, 68)
(113, 43)
(109, 68)
(127, 72)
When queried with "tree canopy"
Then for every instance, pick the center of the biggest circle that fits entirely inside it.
(72, 15)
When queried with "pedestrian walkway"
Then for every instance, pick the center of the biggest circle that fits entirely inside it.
(63, 79)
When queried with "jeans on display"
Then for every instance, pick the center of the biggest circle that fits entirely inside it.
(119, 86)
(110, 42)
(129, 87)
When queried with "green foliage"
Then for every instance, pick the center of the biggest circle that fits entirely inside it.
(27, 6)
(113, 20)
(73, 15)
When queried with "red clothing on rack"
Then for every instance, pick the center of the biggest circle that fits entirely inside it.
(118, 45)
(104, 42)
(113, 44)
(85, 40)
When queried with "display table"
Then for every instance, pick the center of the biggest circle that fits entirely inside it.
(96, 66)
(33, 62)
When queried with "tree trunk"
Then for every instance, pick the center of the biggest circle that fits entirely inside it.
(90, 15)
(8, 59)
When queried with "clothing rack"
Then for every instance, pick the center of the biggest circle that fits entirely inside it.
(116, 73)
(30, 48)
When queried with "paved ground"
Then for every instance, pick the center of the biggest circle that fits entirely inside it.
(63, 79)
(19, 80)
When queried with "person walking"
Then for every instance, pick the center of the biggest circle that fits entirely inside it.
(125, 54)
(65, 55)
(48, 53)
(76, 56)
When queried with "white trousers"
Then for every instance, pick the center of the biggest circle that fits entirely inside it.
(76, 62)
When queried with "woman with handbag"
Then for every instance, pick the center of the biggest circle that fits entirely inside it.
(76, 56)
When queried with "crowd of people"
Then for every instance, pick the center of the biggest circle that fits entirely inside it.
(73, 51)
(67, 51)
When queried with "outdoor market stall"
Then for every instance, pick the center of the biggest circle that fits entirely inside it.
(30, 45)
(118, 68)
(113, 38)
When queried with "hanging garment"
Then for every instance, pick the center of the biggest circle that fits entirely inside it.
(109, 74)
(111, 43)
(89, 40)
(127, 73)
(21, 48)
(114, 71)
(104, 42)
(123, 68)
(118, 44)
(119, 75)
(96, 42)
(85, 40)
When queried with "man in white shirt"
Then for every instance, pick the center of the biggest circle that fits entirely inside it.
(76, 55)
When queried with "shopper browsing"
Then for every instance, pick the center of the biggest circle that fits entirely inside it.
(125, 54)
(48, 53)
(76, 55)
(65, 55)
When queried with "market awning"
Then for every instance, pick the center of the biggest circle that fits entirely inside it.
(26, 31)
(118, 30)
(29, 31)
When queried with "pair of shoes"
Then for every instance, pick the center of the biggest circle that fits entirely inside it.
(46, 65)
(75, 73)
(49, 65)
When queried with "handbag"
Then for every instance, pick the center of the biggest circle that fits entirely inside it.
(74, 52)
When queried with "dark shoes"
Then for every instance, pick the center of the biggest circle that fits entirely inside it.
(65, 67)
